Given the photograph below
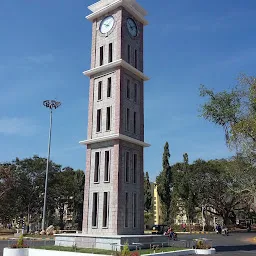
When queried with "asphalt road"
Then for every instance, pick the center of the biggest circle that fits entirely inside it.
(237, 244)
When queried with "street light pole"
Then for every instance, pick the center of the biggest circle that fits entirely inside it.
(51, 104)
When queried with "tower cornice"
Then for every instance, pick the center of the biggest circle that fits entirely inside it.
(115, 137)
(104, 6)
(115, 64)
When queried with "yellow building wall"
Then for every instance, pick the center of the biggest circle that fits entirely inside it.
(157, 207)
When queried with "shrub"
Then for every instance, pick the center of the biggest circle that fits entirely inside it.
(20, 243)
(126, 250)
(201, 244)
(135, 253)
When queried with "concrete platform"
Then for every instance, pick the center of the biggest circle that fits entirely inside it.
(114, 242)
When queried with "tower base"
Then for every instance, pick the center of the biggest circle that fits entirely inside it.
(114, 243)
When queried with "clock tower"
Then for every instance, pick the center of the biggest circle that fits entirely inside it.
(114, 196)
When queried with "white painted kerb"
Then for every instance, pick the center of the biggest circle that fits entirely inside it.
(36, 252)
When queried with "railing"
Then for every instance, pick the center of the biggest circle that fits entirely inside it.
(154, 247)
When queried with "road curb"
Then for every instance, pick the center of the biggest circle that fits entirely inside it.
(195, 232)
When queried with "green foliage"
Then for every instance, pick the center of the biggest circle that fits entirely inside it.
(147, 217)
(216, 189)
(201, 244)
(235, 111)
(223, 187)
(126, 250)
(185, 190)
(164, 184)
(20, 241)
(25, 181)
(147, 194)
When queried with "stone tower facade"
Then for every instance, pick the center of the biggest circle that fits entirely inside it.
(114, 196)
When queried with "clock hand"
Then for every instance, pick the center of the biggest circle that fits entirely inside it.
(109, 22)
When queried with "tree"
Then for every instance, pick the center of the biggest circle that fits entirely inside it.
(8, 183)
(185, 190)
(235, 111)
(22, 191)
(147, 194)
(30, 192)
(7, 180)
(164, 185)
(214, 185)
(79, 181)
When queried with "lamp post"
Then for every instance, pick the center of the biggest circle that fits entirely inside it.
(51, 104)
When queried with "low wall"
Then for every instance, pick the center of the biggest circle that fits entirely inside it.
(114, 242)
(37, 252)
(177, 253)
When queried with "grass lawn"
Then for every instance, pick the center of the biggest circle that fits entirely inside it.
(106, 252)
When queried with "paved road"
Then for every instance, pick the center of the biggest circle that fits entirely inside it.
(233, 245)
(236, 244)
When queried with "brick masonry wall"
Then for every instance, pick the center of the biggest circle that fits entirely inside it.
(131, 188)
(102, 187)
(132, 105)
(117, 187)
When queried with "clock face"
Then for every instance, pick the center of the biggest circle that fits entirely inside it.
(132, 27)
(107, 24)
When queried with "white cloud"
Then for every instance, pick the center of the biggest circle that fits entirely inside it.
(17, 126)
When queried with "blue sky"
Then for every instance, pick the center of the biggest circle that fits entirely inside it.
(45, 47)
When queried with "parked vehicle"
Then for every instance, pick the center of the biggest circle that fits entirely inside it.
(159, 229)
(225, 231)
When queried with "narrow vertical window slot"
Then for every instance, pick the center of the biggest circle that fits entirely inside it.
(134, 210)
(101, 55)
(135, 168)
(107, 166)
(95, 210)
(110, 52)
(109, 87)
(126, 211)
(105, 209)
(136, 59)
(134, 122)
(135, 92)
(127, 167)
(100, 90)
(108, 119)
(97, 168)
(129, 53)
(127, 119)
(98, 128)
(128, 89)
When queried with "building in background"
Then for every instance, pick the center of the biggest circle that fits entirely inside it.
(156, 205)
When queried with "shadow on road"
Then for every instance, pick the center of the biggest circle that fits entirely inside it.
(235, 248)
